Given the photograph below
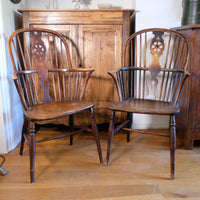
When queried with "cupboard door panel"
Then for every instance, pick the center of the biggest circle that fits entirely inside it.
(101, 48)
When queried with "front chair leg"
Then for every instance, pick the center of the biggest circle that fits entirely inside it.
(96, 135)
(110, 136)
(32, 150)
(172, 145)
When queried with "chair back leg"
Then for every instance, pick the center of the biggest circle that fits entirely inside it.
(110, 136)
(24, 131)
(71, 124)
(129, 118)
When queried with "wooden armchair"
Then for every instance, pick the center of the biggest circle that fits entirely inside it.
(151, 83)
(47, 84)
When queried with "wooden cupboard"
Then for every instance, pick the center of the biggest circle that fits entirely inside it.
(96, 39)
(189, 120)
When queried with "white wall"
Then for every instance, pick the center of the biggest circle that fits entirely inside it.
(11, 116)
(158, 13)
(67, 4)
(3, 145)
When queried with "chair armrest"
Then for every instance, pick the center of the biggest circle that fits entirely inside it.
(114, 71)
(187, 73)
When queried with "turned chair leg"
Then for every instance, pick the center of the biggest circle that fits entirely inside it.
(71, 124)
(129, 117)
(24, 130)
(32, 150)
(110, 136)
(172, 145)
(71, 139)
(96, 135)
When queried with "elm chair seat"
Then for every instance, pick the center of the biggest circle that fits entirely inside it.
(145, 107)
(53, 110)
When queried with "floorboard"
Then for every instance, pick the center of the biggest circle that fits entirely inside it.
(138, 170)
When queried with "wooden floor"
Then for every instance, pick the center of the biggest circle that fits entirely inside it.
(139, 170)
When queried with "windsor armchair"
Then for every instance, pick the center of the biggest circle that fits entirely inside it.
(151, 83)
(47, 84)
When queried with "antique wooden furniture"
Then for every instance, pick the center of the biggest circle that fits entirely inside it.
(96, 39)
(47, 84)
(151, 83)
(188, 122)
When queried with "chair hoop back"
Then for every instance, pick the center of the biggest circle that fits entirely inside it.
(157, 65)
(43, 72)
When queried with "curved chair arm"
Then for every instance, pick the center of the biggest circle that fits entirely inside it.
(185, 76)
(113, 75)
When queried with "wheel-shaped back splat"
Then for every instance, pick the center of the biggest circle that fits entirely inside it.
(157, 46)
(39, 52)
